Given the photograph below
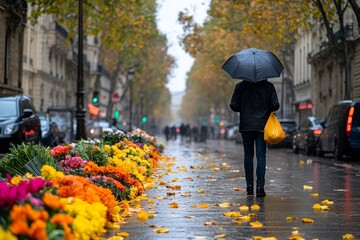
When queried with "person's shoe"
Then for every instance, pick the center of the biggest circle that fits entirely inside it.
(260, 192)
(250, 190)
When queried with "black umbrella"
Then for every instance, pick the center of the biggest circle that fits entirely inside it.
(253, 65)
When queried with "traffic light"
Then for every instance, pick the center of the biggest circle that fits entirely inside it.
(203, 121)
(95, 99)
(116, 114)
(143, 120)
(217, 120)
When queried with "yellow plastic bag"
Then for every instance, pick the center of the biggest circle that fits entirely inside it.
(273, 132)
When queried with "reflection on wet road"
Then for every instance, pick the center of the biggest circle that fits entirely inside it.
(212, 182)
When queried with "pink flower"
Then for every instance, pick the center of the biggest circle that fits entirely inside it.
(36, 184)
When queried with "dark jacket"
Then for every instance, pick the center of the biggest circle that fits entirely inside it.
(255, 102)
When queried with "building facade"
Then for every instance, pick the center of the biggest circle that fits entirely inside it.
(319, 69)
(12, 24)
(50, 68)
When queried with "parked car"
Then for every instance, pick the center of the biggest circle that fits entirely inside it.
(289, 126)
(49, 131)
(18, 122)
(341, 130)
(306, 136)
(95, 129)
(232, 131)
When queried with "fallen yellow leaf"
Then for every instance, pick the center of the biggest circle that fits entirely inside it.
(221, 236)
(256, 224)
(252, 214)
(244, 208)
(215, 169)
(112, 225)
(296, 238)
(307, 220)
(232, 214)
(295, 232)
(308, 187)
(161, 230)
(255, 207)
(290, 218)
(244, 218)
(224, 205)
(314, 194)
(348, 236)
(171, 193)
(148, 186)
(201, 191)
(210, 223)
(173, 205)
(176, 187)
(203, 205)
(237, 189)
(159, 197)
(122, 234)
(319, 207)
(143, 215)
(327, 202)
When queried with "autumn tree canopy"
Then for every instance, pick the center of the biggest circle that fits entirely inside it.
(235, 25)
(129, 38)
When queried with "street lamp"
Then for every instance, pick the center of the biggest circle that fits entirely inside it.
(141, 95)
(130, 76)
(80, 107)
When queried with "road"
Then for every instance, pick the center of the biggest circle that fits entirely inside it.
(211, 175)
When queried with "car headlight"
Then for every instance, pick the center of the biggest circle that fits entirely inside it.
(11, 128)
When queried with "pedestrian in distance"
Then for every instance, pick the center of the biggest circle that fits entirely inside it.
(167, 132)
(254, 101)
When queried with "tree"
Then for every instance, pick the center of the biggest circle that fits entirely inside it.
(129, 38)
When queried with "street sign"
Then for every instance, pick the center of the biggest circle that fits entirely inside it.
(115, 97)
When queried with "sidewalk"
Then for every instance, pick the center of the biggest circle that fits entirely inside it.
(211, 177)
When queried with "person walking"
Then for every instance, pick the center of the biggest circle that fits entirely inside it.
(254, 101)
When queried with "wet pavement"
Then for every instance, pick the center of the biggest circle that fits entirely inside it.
(211, 176)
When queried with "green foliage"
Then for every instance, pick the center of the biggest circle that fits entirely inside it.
(16, 161)
(90, 151)
(112, 138)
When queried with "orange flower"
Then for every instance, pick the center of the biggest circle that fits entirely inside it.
(38, 230)
(80, 187)
(52, 201)
(61, 218)
(68, 233)
(19, 227)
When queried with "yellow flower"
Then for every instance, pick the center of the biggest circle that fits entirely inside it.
(48, 172)
(89, 219)
(15, 180)
(6, 235)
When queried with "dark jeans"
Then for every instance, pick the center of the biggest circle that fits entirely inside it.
(249, 138)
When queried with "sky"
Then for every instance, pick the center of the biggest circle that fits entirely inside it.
(167, 22)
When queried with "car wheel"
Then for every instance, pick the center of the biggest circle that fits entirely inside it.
(319, 151)
(308, 150)
(295, 147)
(338, 152)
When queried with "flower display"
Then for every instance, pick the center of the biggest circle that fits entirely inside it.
(49, 173)
(80, 187)
(60, 150)
(89, 218)
(119, 173)
(11, 193)
(72, 164)
(83, 191)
